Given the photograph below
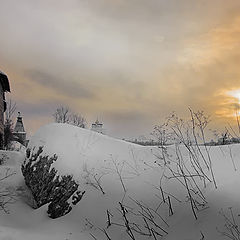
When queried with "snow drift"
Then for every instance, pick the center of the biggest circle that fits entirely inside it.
(111, 171)
(128, 191)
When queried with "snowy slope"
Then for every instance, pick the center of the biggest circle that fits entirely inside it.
(113, 171)
(76, 146)
(89, 156)
(22, 222)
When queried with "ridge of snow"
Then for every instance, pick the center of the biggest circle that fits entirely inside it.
(86, 155)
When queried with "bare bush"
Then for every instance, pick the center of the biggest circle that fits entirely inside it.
(7, 196)
(64, 114)
(202, 121)
(138, 220)
(93, 178)
(163, 136)
(77, 120)
(188, 170)
(8, 124)
(231, 227)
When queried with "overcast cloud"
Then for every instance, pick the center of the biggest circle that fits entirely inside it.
(129, 63)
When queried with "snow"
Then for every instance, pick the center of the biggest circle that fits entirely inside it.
(16, 146)
(127, 173)
(76, 147)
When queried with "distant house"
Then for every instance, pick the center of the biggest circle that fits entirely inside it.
(98, 127)
(4, 87)
(19, 132)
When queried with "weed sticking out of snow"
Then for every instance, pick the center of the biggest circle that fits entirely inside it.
(132, 192)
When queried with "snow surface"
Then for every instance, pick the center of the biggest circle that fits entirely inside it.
(16, 146)
(127, 173)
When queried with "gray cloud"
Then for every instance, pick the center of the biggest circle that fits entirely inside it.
(127, 123)
(119, 58)
(42, 108)
(64, 87)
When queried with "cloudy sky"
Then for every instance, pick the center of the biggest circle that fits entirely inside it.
(127, 62)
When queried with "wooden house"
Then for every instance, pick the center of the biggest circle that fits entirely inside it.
(4, 87)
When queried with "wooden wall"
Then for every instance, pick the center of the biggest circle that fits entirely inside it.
(1, 110)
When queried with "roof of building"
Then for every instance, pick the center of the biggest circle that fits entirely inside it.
(97, 123)
(5, 82)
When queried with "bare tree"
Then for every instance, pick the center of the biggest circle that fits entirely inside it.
(78, 120)
(8, 125)
(64, 114)
(11, 108)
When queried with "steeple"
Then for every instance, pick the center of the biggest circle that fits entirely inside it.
(19, 131)
(19, 124)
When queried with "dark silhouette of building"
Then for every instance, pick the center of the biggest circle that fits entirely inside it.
(4, 87)
(19, 132)
(98, 127)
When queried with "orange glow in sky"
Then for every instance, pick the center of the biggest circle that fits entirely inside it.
(235, 94)
(129, 63)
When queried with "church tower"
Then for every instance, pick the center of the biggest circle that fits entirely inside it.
(19, 131)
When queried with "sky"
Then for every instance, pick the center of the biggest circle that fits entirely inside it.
(128, 63)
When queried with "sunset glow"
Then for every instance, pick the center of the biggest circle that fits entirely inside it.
(235, 94)
(130, 63)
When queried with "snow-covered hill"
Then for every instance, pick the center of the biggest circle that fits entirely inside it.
(125, 185)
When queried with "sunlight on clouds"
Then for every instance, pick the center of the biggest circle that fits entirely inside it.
(214, 57)
(229, 105)
(213, 44)
(123, 59)
(235, 94)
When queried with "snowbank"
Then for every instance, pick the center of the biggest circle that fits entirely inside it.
(108, 169)
(77, 148)
(118, 174)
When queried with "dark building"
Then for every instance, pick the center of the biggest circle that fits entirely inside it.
(4, 87)
(98, 127)
(19, 132)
